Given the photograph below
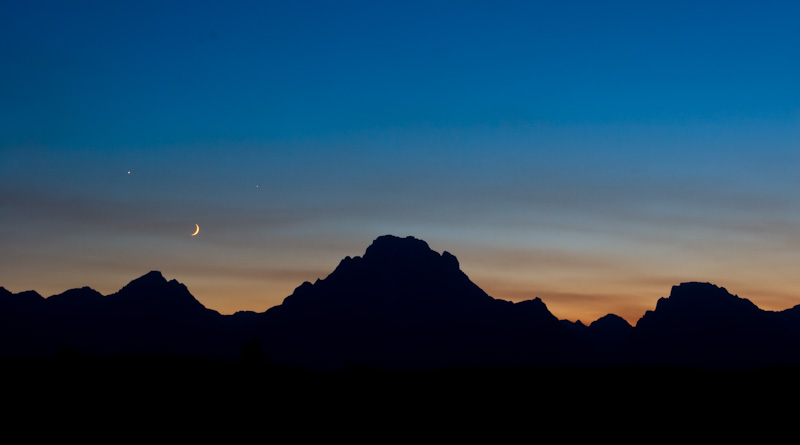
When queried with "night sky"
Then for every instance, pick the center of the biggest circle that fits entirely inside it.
(589, 153)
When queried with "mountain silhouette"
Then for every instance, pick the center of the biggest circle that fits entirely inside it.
(404, 305)
(605, 336)
(20, 330)
(703, 325)
(399, 306)
(148, 316)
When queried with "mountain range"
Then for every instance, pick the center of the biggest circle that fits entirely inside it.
(399, 306)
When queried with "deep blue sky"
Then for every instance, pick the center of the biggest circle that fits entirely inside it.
(590, 153)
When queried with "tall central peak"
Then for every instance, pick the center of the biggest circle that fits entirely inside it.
(390, 246)
(408, 252)
(393, 268)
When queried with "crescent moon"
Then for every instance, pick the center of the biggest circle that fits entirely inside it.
(196, 231)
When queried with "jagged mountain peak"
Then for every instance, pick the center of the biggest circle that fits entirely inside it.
(29, 294)
(85, 290)
(696, 305)
(392, 269)
(150, 280)
(611, 321)
(82, 297)
(152, 289)
(408, 252)
(697, 296)
(693, 289)
(393, 245)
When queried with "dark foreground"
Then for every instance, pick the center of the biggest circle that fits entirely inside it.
(80, 396)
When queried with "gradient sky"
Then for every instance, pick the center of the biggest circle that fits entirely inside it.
(589, 153)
